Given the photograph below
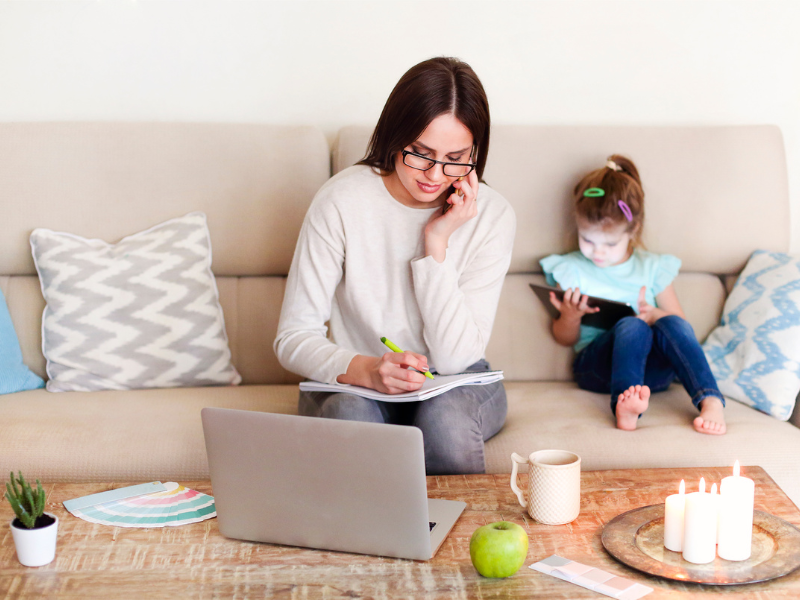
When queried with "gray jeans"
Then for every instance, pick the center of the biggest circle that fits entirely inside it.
(454, 424)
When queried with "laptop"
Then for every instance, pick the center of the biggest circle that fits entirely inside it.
(324, 483)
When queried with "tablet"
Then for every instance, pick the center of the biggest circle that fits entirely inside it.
(610, 311)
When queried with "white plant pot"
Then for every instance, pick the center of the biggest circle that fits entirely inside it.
(35, 547)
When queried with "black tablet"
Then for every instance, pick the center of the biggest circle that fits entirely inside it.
(610, 311)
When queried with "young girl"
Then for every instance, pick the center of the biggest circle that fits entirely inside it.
(641, 354)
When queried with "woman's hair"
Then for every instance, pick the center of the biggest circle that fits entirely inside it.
(431, 88)
(622, 201)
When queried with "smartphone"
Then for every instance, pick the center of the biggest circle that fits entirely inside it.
(447, 206)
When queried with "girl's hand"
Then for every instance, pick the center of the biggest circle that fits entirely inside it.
(574, 305)
(388, 374)
(463, 208)
(648, 313)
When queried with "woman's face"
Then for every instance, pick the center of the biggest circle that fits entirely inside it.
(446, 139)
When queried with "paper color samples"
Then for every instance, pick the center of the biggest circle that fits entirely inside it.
(700, 527)
(591, 578)
(736, 516)
(673, 519)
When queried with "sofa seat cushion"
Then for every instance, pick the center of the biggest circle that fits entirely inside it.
(133, 435)
(560, 415)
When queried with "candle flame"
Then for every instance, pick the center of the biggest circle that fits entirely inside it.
(736, 469)
(682, 488)
(713, 488)
(702, 485)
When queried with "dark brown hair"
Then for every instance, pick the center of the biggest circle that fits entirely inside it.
(431, 88)
(619, 185)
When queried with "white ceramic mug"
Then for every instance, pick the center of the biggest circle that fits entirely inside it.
(554, 485)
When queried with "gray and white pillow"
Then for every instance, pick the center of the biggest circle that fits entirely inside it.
(141, 313)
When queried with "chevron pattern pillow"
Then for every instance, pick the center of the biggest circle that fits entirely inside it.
(141, 313)
(755, 351)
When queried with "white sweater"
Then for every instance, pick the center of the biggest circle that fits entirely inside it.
(360, 265)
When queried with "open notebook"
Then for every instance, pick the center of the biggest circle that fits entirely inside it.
(429, 389)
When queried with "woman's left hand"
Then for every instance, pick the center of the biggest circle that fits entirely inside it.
(462, 209)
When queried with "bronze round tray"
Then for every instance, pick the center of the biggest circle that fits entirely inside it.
(636, 538)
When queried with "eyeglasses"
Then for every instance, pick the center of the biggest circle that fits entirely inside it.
(450, 169)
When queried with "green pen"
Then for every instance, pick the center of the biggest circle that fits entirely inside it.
(393, 348)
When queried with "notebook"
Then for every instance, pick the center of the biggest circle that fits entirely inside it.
(324, 484)
(429, 389)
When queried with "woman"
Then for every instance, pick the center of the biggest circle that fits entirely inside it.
(378, 255)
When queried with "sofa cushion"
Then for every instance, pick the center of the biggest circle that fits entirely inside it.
(141, 313)
(755, 352)
(522, 344)
(132, 435)
(14, 375)
(693, 177)
(545, 415)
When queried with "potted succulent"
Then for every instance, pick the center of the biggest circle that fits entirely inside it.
(33, 530)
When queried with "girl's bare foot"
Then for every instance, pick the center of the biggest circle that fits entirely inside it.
(630, 404)
(712, 416)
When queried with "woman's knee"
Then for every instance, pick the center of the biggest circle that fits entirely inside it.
(348, 407)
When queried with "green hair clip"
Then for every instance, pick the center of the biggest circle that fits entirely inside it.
(594, 193)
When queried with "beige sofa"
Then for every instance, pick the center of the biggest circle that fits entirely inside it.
(714, 194)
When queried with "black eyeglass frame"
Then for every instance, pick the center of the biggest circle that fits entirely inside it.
(438, 162)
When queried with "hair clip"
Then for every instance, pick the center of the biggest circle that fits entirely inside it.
(594, 193)
(612, 165)
(626, 210)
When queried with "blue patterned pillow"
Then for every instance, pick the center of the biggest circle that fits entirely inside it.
(755, 351)
(14, 375)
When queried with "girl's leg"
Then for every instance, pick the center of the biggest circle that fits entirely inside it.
(455, 425)
(675, 339)
(615, 362)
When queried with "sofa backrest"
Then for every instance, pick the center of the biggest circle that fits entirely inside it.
(714, 194)
(108, 180)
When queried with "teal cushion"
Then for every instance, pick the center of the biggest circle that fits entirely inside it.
(14, 375)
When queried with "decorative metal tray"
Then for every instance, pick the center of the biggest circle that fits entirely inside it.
(636, 538)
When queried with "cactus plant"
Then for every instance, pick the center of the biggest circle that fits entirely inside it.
(28, 504)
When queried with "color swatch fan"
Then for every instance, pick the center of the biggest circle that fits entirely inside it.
(175, 505)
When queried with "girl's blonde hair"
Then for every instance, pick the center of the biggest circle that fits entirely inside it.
(622, 201)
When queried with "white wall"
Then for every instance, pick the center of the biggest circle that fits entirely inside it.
(333, 63)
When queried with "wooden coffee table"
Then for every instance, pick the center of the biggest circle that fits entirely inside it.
(195, 561)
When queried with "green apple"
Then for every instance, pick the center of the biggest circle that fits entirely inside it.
(498, 549)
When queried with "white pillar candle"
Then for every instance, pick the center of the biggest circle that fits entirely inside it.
(737, 495)
(673, 519)
(699, 527)
(716, 505)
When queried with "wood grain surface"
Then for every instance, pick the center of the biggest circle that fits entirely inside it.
(196, 561)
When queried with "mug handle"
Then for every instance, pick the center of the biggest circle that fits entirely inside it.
(517, 460)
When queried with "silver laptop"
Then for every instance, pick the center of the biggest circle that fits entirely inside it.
(324, 483)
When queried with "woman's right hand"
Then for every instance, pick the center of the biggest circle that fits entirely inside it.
(388, 374)
(574, 305)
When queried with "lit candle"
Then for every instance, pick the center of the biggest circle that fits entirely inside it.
(673, 519)
(736, 516)
(699, 527)
(716, 505)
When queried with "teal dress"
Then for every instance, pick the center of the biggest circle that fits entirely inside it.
(620, 282)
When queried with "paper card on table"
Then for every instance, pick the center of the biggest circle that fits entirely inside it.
(591, 578)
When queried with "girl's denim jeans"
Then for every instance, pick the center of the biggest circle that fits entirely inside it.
(635, 353)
